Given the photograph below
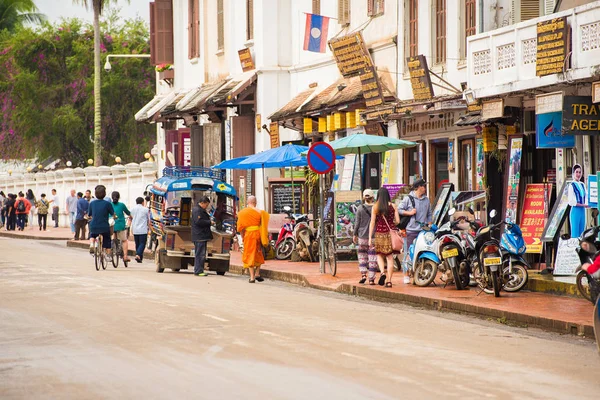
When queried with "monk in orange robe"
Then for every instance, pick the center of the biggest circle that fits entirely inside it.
(253, 225)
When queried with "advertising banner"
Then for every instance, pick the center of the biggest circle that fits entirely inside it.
(558, 215)
(580, 116)
(346, 205)
(514, 176)
(548, 132)
(533, 218)
(592, 190)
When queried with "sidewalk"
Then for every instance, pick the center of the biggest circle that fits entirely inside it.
(36, 234)
(556, 313)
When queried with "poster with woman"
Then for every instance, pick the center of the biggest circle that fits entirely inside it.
(514, 176)
(480, 167)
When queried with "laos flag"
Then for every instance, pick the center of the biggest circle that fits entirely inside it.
(315, 35)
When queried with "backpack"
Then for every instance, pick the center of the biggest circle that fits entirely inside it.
(21, 206)
(406, 219)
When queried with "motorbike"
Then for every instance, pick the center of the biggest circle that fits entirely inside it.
(306, 246)
(286, 243)
(588, 251)
(514, 266)
(454, 265)
(423, 256)
(488, 261)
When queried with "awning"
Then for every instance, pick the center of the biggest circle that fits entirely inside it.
(169, 111)
(194, 101)
(469, 119)
(345, 91)
(143, 115)
(228, 93)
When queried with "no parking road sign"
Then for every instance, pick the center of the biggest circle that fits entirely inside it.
(321, 158)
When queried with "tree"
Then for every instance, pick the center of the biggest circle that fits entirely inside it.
(14, 13)
(46, 97)
(98, 7)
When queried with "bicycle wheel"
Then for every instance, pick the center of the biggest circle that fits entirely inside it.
(330, 254)
(115, 253)
(97, 255)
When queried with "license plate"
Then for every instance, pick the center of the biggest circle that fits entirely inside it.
(450, 253)
(492, 261)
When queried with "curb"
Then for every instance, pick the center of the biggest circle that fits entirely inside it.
(431, 303)
(30, 237)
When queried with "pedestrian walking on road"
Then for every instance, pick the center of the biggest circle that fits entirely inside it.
(71, 206)
(55, 207)
(42, 211)
(11, 212)
(384, 218)
(140, 222)
(22, 206)
(80, 217)
(31, 199)
(253, 224)
(201, 234)
(367, 257)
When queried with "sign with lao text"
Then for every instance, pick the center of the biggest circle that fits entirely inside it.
(371, 88)
(567, 259)
(551, 46)
(246, 60)
(533, 218)
(274, 132)
(580, 116)
(420, 80)
(351, 55)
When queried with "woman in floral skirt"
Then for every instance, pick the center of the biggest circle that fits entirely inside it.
(383, 218)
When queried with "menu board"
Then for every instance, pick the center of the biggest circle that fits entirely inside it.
(438, 211)
(551, 46)
(533, 217)
(558, 215)
(420, 79)
(246, 60)
(351, 54)
(346, 206)
(282, 196)
(274, 132)
(567, 259)
(371, 88)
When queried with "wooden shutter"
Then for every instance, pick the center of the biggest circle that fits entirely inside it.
(413, 27)
(549, 6)
(163, 22)
(375, 7)
(250, 19)
(530, 9)
(344, 12)
(316, 7)
(370, 8)
(380, 6)
(440, 31)
(196, 28)
(220, 27)
(152, 34)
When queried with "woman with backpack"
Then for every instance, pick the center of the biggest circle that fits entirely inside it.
(42, 210)
(31, 199)
(367, 258)
(23, 206)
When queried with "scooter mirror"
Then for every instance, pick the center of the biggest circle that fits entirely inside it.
(493, 213)
(451, 211)
(471, 211)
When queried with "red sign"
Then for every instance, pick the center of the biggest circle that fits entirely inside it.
(321, 157)
(533, 218)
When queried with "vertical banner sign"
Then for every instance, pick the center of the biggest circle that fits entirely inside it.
(551, 46)
(451, 155)
(533, 218)
(420, 80)
(421, 160)
(592, 190)
(514, 175)
(186, 149)
(246, 60)
(385, 174)
(228, 172)
(480, 167)
(274, 131)
(258, 123)
(560, 168)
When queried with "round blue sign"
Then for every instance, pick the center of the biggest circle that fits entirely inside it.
(321, 158)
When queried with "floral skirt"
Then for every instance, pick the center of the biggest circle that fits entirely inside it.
(383, 244)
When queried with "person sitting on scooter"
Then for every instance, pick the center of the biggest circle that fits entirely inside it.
(593, 269)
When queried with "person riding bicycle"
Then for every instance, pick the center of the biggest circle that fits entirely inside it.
(120, 228)
(99, 213)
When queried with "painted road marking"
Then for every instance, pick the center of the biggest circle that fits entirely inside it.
(216, 318)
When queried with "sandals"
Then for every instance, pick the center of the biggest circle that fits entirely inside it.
(381, 280)
(371, 281)
(259, 278)
(363, 280)
(388, 284)
(251, 280)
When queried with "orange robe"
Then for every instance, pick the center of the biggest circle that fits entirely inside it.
(255, 224)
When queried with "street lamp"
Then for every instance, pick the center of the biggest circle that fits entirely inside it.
(108, 67)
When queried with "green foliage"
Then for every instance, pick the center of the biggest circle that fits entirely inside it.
(14, 13)
(46, 91)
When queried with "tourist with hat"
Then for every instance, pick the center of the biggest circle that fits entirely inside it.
(367, 257)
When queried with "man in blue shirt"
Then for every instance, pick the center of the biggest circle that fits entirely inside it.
(99, 212)
(80, 221)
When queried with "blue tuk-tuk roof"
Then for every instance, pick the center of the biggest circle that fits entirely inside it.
(176, 179)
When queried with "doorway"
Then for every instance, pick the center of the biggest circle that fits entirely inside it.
(438, 166)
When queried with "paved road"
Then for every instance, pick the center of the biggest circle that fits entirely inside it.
(67, 331)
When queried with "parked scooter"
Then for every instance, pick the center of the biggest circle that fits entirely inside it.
(454, 266)
(514, 266)
(488, 264)
(304, 236)
(588, 251)
(285, 244)
(423, 256)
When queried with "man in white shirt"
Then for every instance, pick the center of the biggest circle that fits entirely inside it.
(139, 227)
(55, 207)
(71, 204)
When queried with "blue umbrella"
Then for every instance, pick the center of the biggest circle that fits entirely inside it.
(230, 164)
(279, 157)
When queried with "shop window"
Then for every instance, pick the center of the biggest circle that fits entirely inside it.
(375, 7)
(440, 31)
(344, 12)
(161, 32)
(467, 165)
(413, 25)
(193, 29)
(414, 163)
(470, 22)
(439, 166)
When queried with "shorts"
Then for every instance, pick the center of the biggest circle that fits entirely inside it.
(122, 235)
(106, 243)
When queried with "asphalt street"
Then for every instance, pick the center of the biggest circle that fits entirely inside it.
(68, 331)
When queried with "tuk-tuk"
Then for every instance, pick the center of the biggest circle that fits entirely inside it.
(172, 198)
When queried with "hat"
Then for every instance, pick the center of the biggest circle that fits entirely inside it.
(419, 183)
(368, 193)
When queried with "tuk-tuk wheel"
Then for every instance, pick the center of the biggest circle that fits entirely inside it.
(221, 273)
(157, 261)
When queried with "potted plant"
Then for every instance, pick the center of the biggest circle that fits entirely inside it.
(165, 71)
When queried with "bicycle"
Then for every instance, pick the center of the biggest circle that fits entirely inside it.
(99, 258)
(117, 252)
(329, 251)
